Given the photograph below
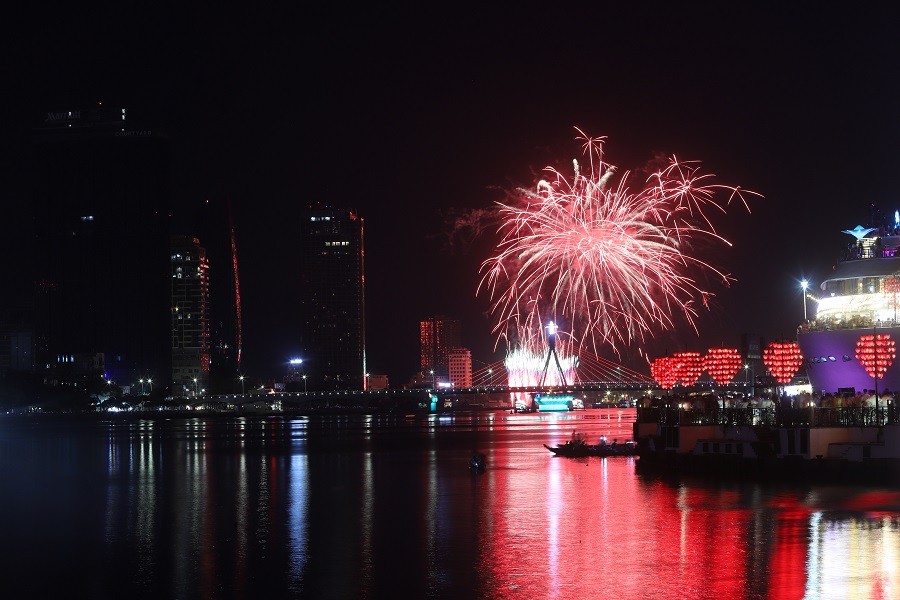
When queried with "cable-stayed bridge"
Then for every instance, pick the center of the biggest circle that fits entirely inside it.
(593, 371)
(594, 375)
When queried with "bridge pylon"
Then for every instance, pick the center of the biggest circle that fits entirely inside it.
(552, 328)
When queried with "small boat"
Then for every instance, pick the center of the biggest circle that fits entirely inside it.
(478, 462)
(578, 447)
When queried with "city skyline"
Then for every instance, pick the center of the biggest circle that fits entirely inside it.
(410, 121)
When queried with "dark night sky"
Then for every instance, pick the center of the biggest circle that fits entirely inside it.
(404, 113)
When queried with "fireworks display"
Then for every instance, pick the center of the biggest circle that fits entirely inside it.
(611, 264)
(522, 366)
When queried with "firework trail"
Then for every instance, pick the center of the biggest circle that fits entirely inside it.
(613, 263)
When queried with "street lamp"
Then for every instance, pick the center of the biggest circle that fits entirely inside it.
(242, 384)
(803, 285)
(150, 381)
(304, 383)
(367, 382)
(142, 386)
(195, 386)
(490, 377)
(432, 379)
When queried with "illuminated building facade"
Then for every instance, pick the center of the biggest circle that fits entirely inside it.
(377, 382)
(212, 221)
(437, 337)
(295, 371)
(190, 317)
(459, 361)
(332, 299)
(100, 205)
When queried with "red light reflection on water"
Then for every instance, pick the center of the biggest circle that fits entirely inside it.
(580, 525)
(580, 528)
(787, 567)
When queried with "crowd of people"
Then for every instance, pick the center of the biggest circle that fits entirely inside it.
(709, 401)
(821, 409)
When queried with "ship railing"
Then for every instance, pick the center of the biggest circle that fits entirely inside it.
(663, 415)
(848, 416)
(852, 416)
(706, 416)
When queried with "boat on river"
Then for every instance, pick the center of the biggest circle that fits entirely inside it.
(846, 429)
(578, 447)
(813, 444)
(478, 462)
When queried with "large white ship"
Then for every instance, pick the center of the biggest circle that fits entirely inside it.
(858, 305)
(848, 438)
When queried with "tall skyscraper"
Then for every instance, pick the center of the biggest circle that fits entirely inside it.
(100, 195)
(437, 337)
(332, 299)
(190, 316)
(211, 220)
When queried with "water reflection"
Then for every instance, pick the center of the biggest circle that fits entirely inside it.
(371, 507)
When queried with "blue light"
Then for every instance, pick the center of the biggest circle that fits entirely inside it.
(553, 402)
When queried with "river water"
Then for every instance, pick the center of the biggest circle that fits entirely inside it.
(386, 507)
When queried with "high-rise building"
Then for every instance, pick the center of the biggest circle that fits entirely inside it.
(295, 372)
(212, 221)
(100, 192)
(190, 316)
(437, 336)
(460, 365)
(332, 299)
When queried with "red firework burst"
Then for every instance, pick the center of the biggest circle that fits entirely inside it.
(615, 263)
